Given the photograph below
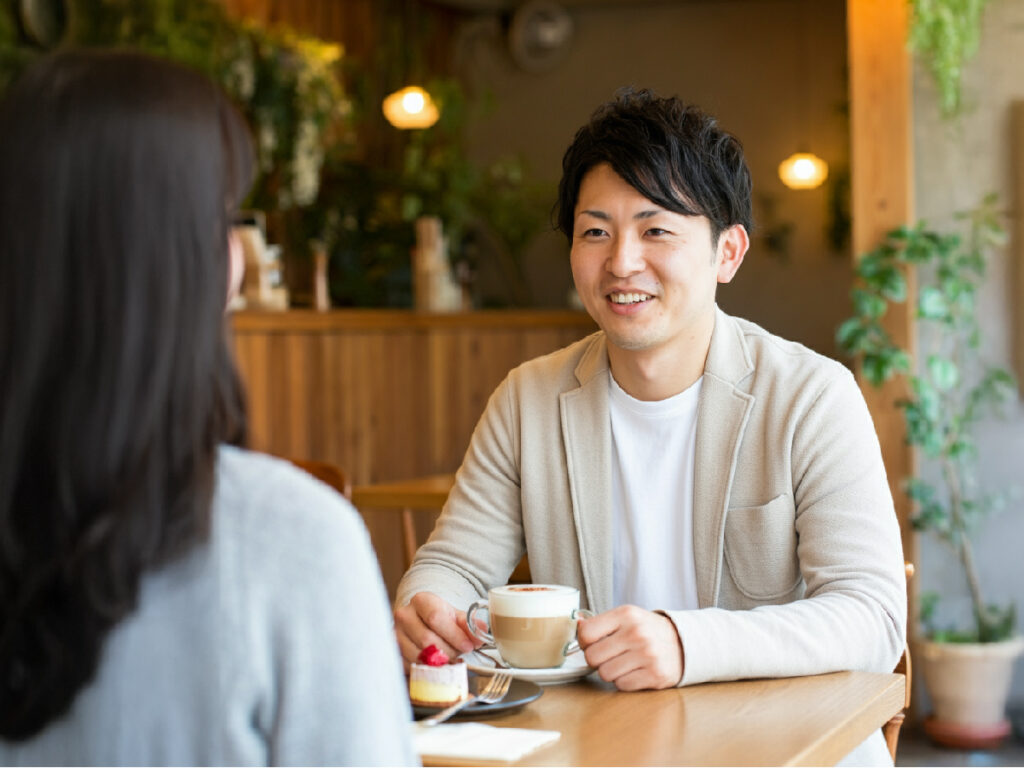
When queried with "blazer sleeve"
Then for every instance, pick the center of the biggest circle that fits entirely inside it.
(853, 612)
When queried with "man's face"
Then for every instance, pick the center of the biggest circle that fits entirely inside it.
(645, 274)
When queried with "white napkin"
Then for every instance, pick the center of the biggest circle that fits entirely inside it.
(477, 743)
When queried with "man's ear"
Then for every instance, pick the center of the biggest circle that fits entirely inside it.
(732, 247)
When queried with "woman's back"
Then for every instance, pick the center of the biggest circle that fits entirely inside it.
(254, 648)
(164, 598)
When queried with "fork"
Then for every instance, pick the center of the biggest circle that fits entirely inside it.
(492, 693)
(496, 663)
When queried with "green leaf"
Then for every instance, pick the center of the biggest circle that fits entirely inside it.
(926, 612)
(996, 623)
(892, 284)
(928, 400)
(868, 304)
(876, 368)
(943, 372)
(963, 447)
(851, 334)
(931, 304)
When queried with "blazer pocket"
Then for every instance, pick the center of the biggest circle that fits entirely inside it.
(760, 549)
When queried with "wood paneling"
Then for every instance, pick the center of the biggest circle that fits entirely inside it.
(387, 394)
(383, 394)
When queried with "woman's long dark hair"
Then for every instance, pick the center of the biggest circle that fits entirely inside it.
(118, 177)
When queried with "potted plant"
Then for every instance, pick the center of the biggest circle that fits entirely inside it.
(967, 671)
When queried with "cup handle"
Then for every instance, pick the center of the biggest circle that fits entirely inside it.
(573, 645)
(484, 637)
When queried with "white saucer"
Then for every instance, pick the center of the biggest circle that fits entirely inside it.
(574, 668)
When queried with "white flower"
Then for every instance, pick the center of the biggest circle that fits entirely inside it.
(266, 141)
(309, 157)
(244, 75)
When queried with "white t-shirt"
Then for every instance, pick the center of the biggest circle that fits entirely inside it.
(652, 499)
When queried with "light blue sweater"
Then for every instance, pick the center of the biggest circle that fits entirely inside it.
(272, 643)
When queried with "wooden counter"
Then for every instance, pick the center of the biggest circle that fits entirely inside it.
(384, 394)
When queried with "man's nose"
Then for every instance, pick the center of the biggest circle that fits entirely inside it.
(626, 257)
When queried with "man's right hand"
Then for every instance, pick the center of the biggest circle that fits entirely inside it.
(429, 620)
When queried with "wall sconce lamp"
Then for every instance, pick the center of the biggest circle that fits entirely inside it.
(803, 170)
(410, 108)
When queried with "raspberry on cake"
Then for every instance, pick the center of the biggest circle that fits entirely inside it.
(433, 682)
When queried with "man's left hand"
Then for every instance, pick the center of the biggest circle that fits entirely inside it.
(634, 648)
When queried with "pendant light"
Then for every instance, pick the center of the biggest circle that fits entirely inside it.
(803, 169)
(411, 107)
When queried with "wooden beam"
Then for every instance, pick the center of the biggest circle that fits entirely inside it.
(882, 199)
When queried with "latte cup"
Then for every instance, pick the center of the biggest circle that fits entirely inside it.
(533, 626)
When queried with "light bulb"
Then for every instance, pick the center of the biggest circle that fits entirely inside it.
(413, 102)
(410, 107)
(803, 170)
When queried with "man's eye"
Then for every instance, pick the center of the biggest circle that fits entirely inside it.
(657, 232)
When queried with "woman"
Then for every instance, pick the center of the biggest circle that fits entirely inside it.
(166, 597)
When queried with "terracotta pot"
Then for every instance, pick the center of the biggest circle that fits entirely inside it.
(968, 684)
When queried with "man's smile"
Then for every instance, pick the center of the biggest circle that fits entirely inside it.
(629, 298)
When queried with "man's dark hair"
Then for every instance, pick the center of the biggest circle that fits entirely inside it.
(670, 152)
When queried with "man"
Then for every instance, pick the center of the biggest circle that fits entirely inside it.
(717, 493)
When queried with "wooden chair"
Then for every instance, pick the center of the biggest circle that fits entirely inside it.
(327, 473)
(891, 729)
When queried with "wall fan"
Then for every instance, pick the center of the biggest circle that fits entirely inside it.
(539, 35)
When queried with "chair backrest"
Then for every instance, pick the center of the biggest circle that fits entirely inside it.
(891, 729)
(327, 473)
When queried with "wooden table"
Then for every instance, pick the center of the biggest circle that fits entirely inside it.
(429, 493)
(790, 721)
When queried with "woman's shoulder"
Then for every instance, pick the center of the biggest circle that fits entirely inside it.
(261, 500)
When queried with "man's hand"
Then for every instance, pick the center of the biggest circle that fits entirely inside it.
(633, 648)
(429, 620)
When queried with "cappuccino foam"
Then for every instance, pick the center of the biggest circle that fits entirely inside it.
(533, 600)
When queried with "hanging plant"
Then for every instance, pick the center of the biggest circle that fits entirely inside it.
(945, 34)
(288, 85)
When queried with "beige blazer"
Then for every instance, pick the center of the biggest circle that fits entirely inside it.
(797, 549)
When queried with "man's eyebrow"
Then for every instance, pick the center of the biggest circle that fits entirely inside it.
(605, 217)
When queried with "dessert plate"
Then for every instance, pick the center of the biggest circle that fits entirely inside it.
(575, 667)
(520, 692)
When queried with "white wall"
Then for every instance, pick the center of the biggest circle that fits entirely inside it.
(772, 71)
(955, 165)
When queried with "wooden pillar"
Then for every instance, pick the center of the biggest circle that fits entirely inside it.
(1017, 251)
(882, 199)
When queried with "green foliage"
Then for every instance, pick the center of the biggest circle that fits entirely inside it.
(950, 389)
(286, 84)
(329, 167)
(375, 201)
(946, 33)
(998, 623)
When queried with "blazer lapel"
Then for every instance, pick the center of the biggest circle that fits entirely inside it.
(586, 434)
(721, 419)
